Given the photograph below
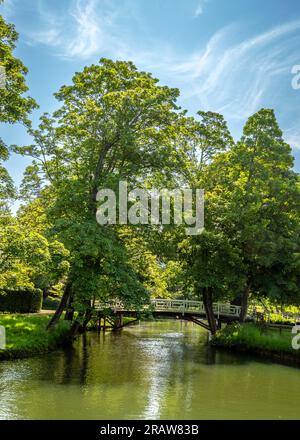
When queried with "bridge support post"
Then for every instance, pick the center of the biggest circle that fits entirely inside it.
(208, 306)
(118, 321)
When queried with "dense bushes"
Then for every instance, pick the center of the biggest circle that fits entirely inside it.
(50, 303)
(21, 300)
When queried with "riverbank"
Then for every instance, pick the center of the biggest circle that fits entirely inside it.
(250, 338)
(26, 335)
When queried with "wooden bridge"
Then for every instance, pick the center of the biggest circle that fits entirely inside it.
(184, 309)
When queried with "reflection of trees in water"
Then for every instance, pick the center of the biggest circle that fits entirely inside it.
(166, 372)
(76, 362)
(60, 367)
(84, 361)
(70, 359)
(66, 366)
(103, 358)
(115, 358)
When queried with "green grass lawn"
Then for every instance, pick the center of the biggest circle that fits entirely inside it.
(26, 335)
(250, 336)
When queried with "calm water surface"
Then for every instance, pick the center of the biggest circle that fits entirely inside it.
(156, 370)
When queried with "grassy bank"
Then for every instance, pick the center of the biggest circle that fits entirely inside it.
(26, 335)
(250, 338)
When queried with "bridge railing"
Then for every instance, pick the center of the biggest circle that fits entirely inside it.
(178, 306)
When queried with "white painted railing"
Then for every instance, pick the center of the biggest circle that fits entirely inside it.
(177, 306)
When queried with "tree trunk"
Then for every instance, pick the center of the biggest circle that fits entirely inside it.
(77, 325)
(75, 328)
(46, 292)
(87, 318)
(244, 303)
(208, 305)
(89, 313)
(82, 320)
(69, 309)
(62, 305)
(99, 167)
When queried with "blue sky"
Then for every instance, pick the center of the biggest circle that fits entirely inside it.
(229, 56)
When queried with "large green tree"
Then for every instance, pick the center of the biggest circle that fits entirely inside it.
(210, 260)
(253, 196)
(115, 123)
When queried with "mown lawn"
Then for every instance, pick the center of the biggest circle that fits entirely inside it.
(26, 335)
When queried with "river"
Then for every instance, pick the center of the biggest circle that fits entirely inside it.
(154, 370)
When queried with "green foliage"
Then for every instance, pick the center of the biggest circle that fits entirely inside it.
(27, 258)
(253, 200)
(32, 183)
(22, 300)
(114, 123)
(212, 261)
(266, 192)
(160, 275)
(7, 189)
(50, 303)
(273, 311)
(118, 123)
(205, 139)
(14, 107)
(279, 319)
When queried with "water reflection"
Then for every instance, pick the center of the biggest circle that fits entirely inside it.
(150, 371)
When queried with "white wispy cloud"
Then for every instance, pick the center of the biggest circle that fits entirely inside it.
(229, 74)
(7, 8)
(292, 137)
(92, 28)
(79, 34)
(89, 34)
(200, 7)
(235, 78)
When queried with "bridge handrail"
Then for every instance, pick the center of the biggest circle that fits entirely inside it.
(177, 305)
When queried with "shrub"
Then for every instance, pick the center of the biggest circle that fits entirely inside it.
(51, 303)
(20, 300)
